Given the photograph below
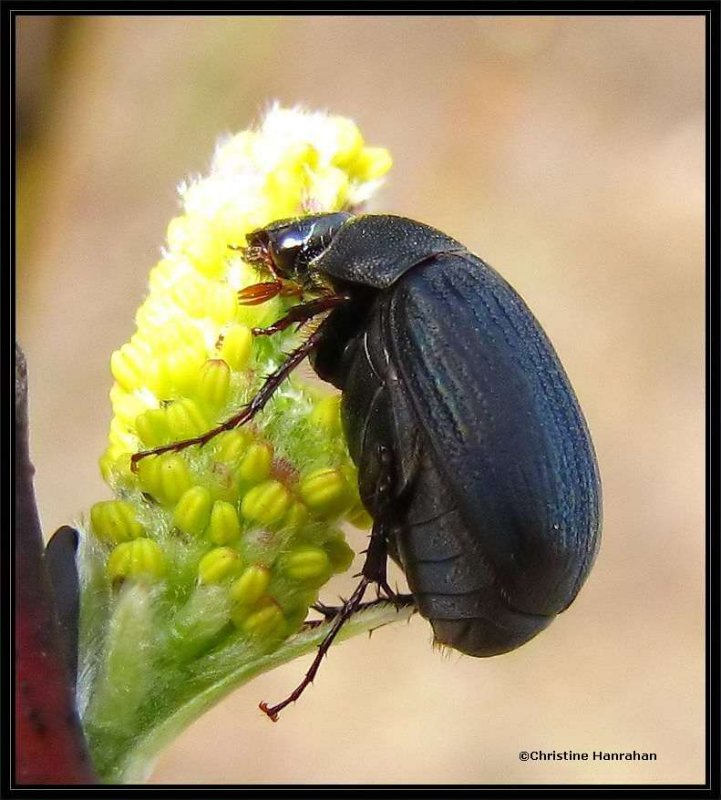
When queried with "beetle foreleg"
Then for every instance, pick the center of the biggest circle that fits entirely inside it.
(266, 391)
(302, 313)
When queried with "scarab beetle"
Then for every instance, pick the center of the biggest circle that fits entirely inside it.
(473, 455)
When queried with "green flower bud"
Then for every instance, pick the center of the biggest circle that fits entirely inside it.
(266, 623)
(296, 517)
(220, 564)
(192, 512)
(114, 521)
(307, 564)
(224, 523)
(326, 492)
(256, 464)
(360, 518)
(326, 415)
(152, 427)
(266, 503)
(340, 554)
(173, 477)
(185, 419)
(251, 585)
(140, 558)
(230, 446)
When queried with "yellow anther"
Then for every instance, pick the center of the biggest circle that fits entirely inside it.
(115, 521)
(251, 585)
(256, 463)
(140, 558)
(308, 564)
(213, 384)
(185, 419)
(266, 503)
(326, 492)
(220, 564)
(341, 556)
(326, 414)
(237, 346)
(152, 427)
(192, 512)
(224, 524)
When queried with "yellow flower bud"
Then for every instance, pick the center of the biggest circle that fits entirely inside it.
(266, 503)
(213, 384)
(120, 434)
(173, 477)
(237, 346)
(129, 366)
(192, 512)
(126, 405)
(326, 492)
(152, 427)
(162, 276)
(371, 163)
(326, 415)
(195, 238)
(251, 585)
(350, 142)
(221, 303)
(224, 523)
(296, 517)
(307, 564)
(108, 462)
(180, 332)
(115, 521)
(190, 294)
(220, 564)
(268, 622)
(140, 558)
(359, 518)
(256, 464)
(340, 554)
(185, 419)
(230, 445)
(182, 366)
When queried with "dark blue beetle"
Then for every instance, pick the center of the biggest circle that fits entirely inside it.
(473, 455)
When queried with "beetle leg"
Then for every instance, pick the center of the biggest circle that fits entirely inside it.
(330, 612)
(374, 571)
(346, 611)
(375, 565)
(303, 312)
(272, 382)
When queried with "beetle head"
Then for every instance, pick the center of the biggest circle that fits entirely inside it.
(286, 247)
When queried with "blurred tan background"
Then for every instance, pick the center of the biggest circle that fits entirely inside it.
(569, 153)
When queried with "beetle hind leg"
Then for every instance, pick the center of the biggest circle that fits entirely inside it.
(374, 571)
